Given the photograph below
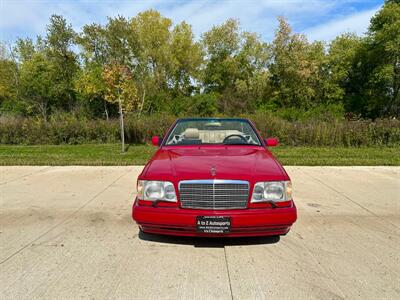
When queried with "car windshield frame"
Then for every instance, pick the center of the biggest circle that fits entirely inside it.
(258, 139)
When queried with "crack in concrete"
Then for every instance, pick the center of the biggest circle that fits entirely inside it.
(227, 270)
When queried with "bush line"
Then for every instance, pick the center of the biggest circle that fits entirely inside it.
(138, 130)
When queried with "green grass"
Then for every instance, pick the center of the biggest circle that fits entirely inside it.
(338, 156)
(110, 154)
(88, 155)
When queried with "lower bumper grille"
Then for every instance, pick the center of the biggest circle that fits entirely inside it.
(214, 194)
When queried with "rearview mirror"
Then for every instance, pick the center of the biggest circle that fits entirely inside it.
(156, 141)
(271, 142)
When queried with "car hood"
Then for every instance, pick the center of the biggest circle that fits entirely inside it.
(230, 162)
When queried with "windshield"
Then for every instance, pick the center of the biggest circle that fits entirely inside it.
(212, 131)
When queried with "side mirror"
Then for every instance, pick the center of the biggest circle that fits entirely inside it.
(271, 142)
(156, 141)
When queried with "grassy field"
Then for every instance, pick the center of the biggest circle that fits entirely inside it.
(109, 154)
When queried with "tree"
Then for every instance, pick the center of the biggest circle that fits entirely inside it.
(117, 37)
(383, 45)
(9, 78)
(24, 49)
(93, 42)
(89, 81)
(160, 66)
(37, 85)
(235, 61)
(221, 45)
(60, 38)
(252, 84)
(343, 82)
(152, 36)
(295, 68)
(186, 59)
(120, 88)
(46, 69)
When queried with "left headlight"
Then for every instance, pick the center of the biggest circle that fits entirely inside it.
(156, 190)
(276, 191)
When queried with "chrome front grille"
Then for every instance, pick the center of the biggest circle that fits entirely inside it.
(214, 194)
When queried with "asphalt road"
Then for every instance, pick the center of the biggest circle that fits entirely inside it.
(66, 232)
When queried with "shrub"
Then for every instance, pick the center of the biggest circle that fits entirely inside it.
(323, 112)
(67, 129)
(382, 132)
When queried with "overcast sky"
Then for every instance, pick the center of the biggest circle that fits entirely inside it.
(318, 19)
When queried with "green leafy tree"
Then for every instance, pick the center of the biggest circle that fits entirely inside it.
(47, 69)
(24, 49)
(344, 60)
(117, 35)
(89, 81)
(235, 61)
(9, 79)
(186, 59)
(221, 45)
(37, 88)
(152, 37)
(383, 45)
(60, 38)
(252, 83)
(93, 42)
(296, 68)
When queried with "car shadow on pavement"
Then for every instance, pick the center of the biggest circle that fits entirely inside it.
(204, 242)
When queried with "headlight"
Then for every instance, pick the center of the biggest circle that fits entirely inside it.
(276, 191)
(156, 190)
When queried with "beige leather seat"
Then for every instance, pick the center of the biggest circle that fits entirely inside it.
(191, 134)
(216, 136)
(208, 136)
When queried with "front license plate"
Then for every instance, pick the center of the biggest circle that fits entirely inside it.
(213, 224)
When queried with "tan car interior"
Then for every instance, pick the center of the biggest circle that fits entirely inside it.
(208, 136)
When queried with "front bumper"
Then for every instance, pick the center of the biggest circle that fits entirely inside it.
(245, 222)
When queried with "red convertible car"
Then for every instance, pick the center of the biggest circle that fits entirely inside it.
(214, 177)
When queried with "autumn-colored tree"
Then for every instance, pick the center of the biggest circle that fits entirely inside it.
(120, 88)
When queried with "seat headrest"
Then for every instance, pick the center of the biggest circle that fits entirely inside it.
(191, 133)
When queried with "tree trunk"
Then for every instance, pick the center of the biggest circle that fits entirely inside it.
(15, 70)
(396, 87)
(43, 110)
(391, 106)
(106, 110)
(121, 122)
(143, 96)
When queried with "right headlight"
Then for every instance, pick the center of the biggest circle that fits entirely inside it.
(156, 190)
(276, 191)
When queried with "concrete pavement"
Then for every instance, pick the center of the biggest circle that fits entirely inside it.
(66, 232)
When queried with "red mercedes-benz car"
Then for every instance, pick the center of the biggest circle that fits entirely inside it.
(214, 177)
